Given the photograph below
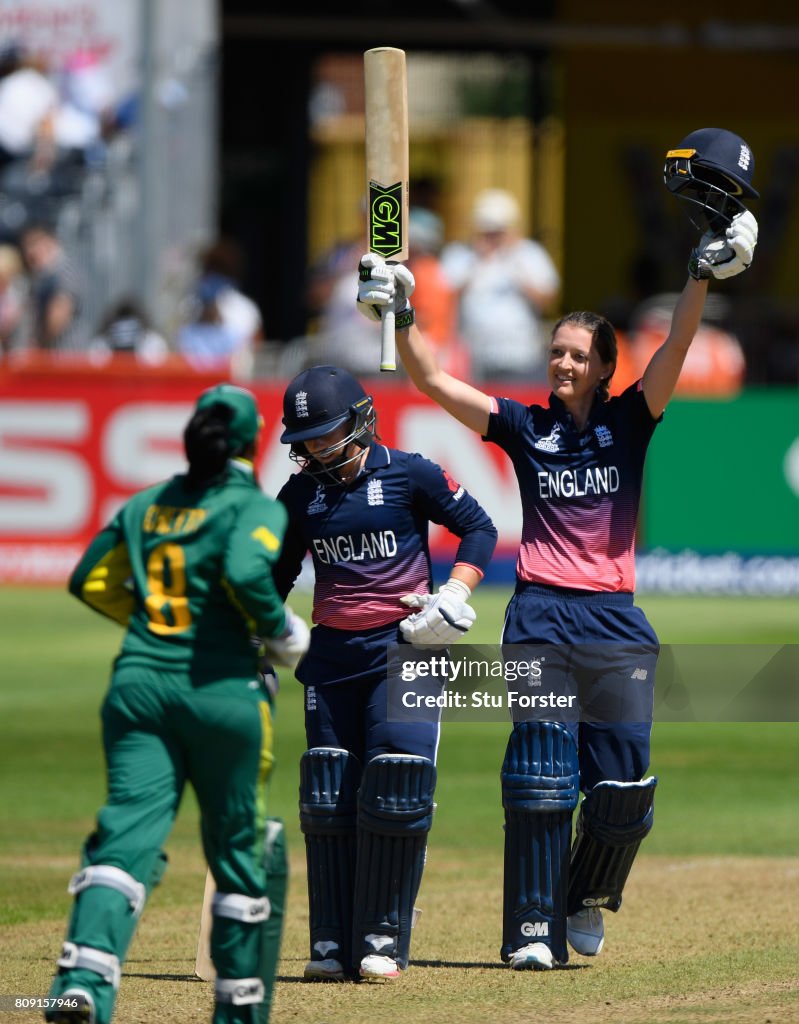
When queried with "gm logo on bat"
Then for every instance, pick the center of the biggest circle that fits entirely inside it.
(385, 219)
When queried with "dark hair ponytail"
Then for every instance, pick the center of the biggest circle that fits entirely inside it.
(206, 442)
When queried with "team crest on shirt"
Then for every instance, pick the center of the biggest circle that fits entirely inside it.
(317, 503)
(604, 436)
(550, 442)
(374, 492)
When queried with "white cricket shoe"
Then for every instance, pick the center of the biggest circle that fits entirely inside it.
(323, 970)
(78, 1008)
(533, 957)
(379, 968)
(585, 931)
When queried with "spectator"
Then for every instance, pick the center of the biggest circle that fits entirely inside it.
(85, 114)
(12, 297)
(221, 272)
(126, 330)
(28, 106)
(341, 340)
(714, 367)
(435, 300)
(206, 341)
(55, 290)
(505, 283)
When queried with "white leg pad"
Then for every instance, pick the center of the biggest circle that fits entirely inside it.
(113, 878)
(241, 908)
(102, 963)
(239, 991)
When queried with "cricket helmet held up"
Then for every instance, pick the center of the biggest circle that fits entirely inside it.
(713, 169)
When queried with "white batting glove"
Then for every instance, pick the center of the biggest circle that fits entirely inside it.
(725, 255)
(443, 619)
(288, 648)
(382, 285)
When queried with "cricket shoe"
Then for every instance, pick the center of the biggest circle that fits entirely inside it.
(324, 970)
(375, 967)
(533, 957)
(77, 1007)
(585, 931)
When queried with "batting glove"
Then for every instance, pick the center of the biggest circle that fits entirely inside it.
(288, 648)
(443, 619)
(725, 255)
(381, 285)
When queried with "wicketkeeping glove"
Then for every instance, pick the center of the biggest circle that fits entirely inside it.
(443, 619)
(725, 254)
(288, 648)
(382, 284)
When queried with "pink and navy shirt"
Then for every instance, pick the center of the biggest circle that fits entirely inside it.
(369, 539)
(580, 490)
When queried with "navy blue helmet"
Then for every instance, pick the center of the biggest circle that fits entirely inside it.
(712, 168)
(316, 402)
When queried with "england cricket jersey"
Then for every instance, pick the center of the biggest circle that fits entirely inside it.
(580, 490)
(368, 539)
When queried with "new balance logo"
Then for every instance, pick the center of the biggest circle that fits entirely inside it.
(301, 403)
(639, 673)
(744, 158)
(550, 442)
(533, 929)
(317, 503)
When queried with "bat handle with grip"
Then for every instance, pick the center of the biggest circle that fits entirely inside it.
(388, 357)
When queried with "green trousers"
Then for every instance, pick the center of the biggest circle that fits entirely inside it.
(160, 732)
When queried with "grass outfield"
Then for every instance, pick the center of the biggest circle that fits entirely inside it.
(704, 935)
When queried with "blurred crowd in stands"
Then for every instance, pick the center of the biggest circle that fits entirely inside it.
(487, 302)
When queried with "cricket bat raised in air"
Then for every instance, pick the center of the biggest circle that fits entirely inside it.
(386, 89)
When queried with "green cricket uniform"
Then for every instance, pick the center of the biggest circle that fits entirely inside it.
(188, 571)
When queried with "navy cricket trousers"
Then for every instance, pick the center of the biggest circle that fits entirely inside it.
(347, 686)
(599, 648)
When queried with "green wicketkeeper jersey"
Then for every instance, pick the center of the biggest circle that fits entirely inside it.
(189, 572)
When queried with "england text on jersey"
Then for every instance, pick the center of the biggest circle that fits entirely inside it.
(576, 483)
(355, 547)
